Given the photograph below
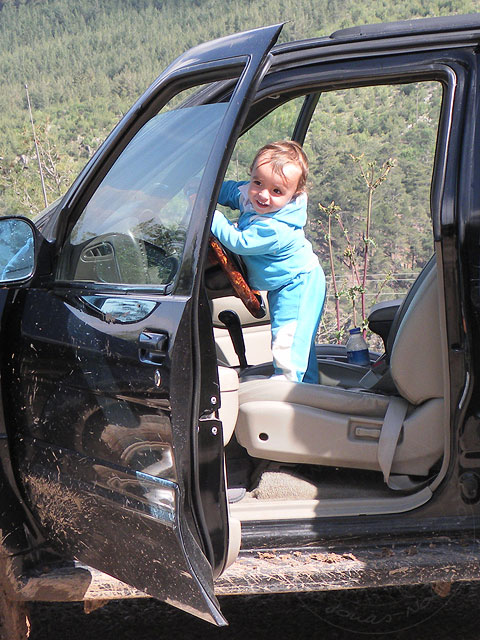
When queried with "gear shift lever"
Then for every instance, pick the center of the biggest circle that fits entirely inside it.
(231, 320)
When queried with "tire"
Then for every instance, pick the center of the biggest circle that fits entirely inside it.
(14, 618)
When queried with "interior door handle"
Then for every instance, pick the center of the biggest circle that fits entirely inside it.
(152, 347)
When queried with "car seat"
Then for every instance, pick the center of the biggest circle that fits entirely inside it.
(395, 430)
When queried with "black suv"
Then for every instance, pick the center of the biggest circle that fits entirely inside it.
(135, 373)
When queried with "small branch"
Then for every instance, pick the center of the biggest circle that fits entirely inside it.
(332, 209)
(36, 146)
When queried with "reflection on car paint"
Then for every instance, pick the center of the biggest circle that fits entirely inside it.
(143, 447)
(157, 494)
(121, 309)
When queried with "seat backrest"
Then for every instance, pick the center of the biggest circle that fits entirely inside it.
(402, 310)
(416, 362)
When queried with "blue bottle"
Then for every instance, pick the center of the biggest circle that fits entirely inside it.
(357, 349)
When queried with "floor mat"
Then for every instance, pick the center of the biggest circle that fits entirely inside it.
(313, 483)
(284, 485)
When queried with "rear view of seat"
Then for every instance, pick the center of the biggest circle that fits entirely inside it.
(317, 424)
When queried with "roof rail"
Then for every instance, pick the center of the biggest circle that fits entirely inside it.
(410, 27)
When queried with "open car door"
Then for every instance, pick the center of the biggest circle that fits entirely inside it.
(109, 385)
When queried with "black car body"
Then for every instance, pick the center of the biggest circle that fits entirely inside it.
(114, 365)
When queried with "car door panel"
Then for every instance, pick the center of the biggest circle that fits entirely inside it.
(116, 443)
(95, 440)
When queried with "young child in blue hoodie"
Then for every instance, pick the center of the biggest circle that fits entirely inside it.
(279, 259)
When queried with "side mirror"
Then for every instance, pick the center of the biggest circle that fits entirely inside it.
(17, 249)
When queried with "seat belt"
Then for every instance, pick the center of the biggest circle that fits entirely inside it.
(379, 377)
(387, 443)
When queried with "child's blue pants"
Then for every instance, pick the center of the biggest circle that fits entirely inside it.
(295, 312)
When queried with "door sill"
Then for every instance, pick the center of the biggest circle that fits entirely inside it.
(251, 509)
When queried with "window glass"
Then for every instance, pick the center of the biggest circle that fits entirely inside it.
(133, 229)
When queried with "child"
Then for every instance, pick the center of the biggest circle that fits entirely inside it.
(279, 259)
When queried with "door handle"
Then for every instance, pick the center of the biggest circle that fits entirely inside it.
(152, 347)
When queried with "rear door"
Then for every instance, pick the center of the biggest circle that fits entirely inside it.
(110, 384)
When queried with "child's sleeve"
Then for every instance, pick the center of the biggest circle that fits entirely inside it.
(229, 195)
(256, 239)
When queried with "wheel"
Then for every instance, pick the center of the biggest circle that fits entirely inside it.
(14, 617)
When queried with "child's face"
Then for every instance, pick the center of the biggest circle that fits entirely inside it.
(269, 191)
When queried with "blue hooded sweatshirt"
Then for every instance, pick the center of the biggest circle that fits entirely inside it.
(272, 245)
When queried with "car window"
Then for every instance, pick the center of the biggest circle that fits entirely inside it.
(385, 134)
(371, 152)
(132, 230)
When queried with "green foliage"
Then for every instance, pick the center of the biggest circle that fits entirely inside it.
(354, 132)
(86, 62)
(353, 120)
(23, 192)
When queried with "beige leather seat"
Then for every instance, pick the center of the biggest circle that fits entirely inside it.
(317, 424)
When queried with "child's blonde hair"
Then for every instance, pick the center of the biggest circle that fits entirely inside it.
(283, 152)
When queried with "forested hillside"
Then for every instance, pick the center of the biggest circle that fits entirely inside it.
(86, 61)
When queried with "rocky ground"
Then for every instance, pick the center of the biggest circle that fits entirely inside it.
(419, 613)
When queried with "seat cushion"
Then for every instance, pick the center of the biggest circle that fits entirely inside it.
(315, 424)
(348, 401)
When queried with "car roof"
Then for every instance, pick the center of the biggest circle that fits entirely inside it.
(435, 27)
(444, 24)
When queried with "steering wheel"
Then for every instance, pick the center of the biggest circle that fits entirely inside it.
(250, 298)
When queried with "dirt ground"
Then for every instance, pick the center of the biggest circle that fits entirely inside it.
(394, 614)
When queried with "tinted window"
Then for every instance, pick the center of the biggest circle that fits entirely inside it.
(132, 231)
